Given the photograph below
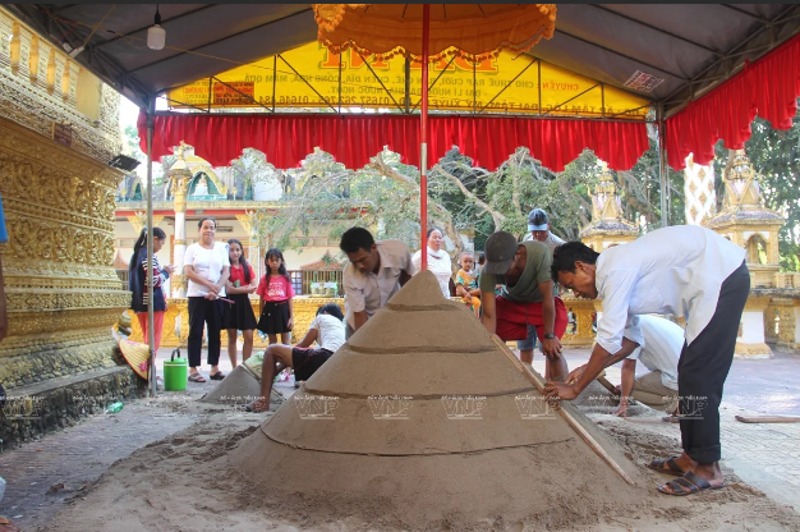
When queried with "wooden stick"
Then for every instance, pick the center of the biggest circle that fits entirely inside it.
(768, 419)
(606, 384)
(534, 378)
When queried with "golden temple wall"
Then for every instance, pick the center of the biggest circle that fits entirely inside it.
(59, 127)
(176, 322)
(62, 294)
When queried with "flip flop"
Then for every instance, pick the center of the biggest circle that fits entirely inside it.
(667, 465)
(218, 376)
(686, 485)
(196, 377)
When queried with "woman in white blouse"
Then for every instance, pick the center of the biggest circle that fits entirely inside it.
(206, 266)
(439, 262)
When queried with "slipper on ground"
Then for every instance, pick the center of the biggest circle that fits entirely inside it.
(666, 465)
(688, 484)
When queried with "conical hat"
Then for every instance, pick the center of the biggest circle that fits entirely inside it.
(136, 355)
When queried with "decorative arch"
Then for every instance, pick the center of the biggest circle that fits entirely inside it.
(757, 250)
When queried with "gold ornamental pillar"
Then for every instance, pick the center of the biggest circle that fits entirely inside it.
(249, 223)
(179, 176)
(62, 293)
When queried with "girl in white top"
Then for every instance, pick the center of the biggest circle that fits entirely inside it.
(206, 266)
(439, 262)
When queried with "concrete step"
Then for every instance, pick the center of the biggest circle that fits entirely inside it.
(33, 410)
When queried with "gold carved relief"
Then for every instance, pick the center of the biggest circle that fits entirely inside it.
(62, 293)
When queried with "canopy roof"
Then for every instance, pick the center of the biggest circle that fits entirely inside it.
(707, 69)
(668, 53)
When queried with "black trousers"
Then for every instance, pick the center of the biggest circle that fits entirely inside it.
(703, 368)
(203, 311)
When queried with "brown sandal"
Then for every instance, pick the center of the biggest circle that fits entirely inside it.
(686, 485)
(666, 465)
(196, 377)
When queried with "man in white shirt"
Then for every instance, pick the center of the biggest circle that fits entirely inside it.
(663, 342)
(376, 271)
(686, 271)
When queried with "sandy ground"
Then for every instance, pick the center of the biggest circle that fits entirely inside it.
(420, 431)
(188, 482)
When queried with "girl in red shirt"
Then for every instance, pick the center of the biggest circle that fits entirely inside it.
(239, 316)
(276, 292)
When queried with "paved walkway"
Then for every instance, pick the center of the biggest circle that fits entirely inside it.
(764, 455)
(43, 474)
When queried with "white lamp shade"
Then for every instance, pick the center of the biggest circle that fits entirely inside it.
(156, 37)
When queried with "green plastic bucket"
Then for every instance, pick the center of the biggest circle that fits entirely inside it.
(176, 372)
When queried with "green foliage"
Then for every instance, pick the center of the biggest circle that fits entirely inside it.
(641, 192)
(385, 197)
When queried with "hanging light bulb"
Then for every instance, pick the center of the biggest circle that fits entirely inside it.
(156, 35)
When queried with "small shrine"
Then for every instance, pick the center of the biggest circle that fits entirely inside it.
(744, 220)
(608, 227)
(204, 185)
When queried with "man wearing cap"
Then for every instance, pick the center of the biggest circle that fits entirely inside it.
(526, 298)
(539, 230)
(687, 271)
(376, 271)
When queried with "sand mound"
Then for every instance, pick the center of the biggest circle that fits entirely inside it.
(422, 415)
(239, 387)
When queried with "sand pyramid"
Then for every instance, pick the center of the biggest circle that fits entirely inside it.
(421, 416)
(239, 387)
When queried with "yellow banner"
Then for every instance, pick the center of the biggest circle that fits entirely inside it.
(310, 76)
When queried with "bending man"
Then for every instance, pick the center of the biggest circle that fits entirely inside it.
(684, 271)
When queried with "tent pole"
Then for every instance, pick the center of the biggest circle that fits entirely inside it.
(423, 138)
(662, 164)
(148, 276)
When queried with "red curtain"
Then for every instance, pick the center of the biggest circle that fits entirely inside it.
(352, 139)
(768, 87)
